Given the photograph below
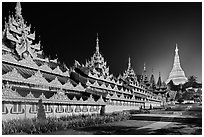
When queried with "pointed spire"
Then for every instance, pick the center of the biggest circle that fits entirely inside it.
(97, 44)
(129, 63)
(18, 9)
(159, 82)
(144, 68)
(176, 50)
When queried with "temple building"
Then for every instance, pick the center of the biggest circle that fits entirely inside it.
(177, 75)
(28, 76)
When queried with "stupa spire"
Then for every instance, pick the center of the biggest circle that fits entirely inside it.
(144, 67)
(159, 82)
(176, 50)
(177, 75)
(18, 9)
(129, 63)
(97, 44)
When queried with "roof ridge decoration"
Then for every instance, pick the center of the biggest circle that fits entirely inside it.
(66, 73)
(30, 95)
(28, 61)
(13, 76)
(90, 99)
(57, 70)
(38, 78)
(45, 67)
(103, 85)
(115, 96)
(122, 96)
(100, 100)
(115, 88)
(60, 95)
(24, 38)
(7, 91)
(122, 90)
(79, 87)
(95, 84)
(133, 97)
(68, 85)
(81, 100)
(55, 83)
(74, 99)
(42, 96)
(9, 58)
(88, 83)
(108, 96)
(109, 87)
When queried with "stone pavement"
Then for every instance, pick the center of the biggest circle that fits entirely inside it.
(155, 126)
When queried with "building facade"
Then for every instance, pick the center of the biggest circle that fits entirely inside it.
(29, 76)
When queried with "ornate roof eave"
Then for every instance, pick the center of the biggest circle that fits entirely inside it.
(14, 76)
(28, 62)
(55, 83)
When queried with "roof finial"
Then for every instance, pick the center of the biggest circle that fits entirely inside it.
(18, 9)
(176, 50)
(129, 63)
(144, 67)
(97, 44)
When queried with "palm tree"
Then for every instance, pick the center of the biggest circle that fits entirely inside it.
(192, 80)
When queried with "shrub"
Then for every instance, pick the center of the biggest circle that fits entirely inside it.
(34, 126)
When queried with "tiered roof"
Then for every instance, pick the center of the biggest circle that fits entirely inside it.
(97, 63)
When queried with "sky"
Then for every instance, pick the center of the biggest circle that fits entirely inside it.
(145, 32)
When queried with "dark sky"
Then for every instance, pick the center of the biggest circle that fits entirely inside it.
(147, 32)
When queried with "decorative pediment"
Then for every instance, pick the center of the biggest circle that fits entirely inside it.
(133, 97)
(89, 74)
(109, 87)
(57, 70)
(66, 73)
(30, 95)
(28, 62)
(68, 85)
(95, 84)
(60, 95)
(107, 78)
(88, 83)
(37, 78)
(42, 96)
(55, 83)
(126, 90)
(7, 91)
(100, 100)
(79, 87)
(115, 88)
(115, 96)
(90, 99)
(74, 99)
(113, 81)
(9, 58)
(95, 76)
(11, 37)
(45, 67)
(122, 96)
(121, 90)
(103, 86)
(108, 96)
(13, 76)
(81, 100)
(101, 77)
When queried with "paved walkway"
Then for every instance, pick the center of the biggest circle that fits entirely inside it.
(155, 126)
